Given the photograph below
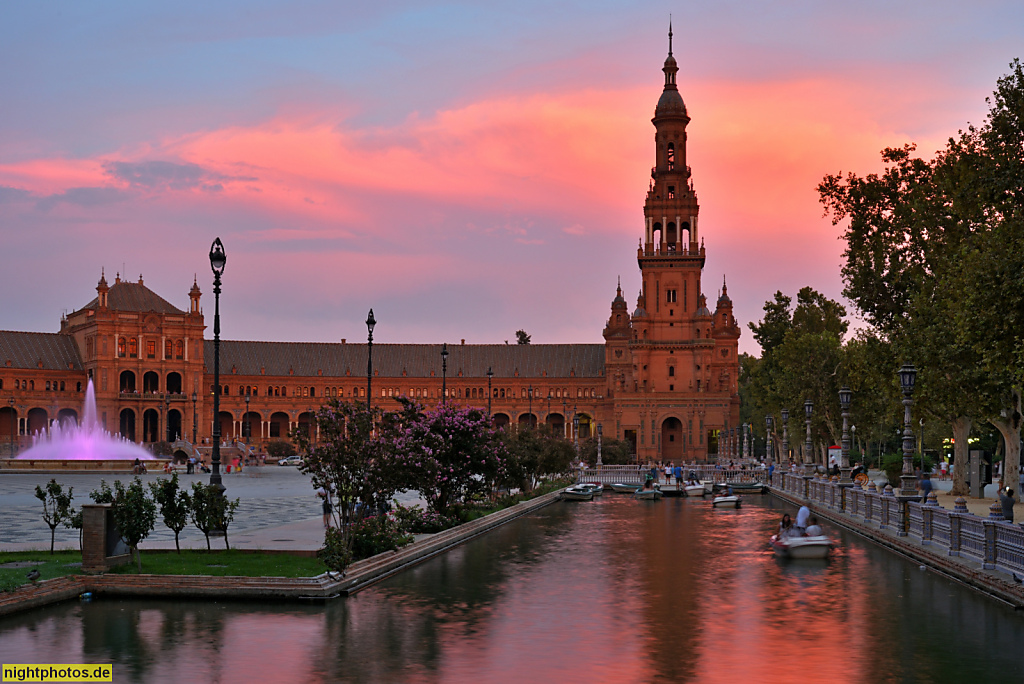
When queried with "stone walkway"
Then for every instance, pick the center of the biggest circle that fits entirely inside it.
(278, 509)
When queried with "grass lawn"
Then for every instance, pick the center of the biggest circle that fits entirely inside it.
(225, 563)
(59, 564)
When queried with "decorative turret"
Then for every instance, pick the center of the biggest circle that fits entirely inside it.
(101, 290)
(671, 103)
(618, 322)
(194, 294)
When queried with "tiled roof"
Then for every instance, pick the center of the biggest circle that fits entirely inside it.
(305, 359)
(135, 297)
(27, 349)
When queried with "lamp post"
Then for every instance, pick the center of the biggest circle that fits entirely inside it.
(746, 441)
(444, 372)
(529, 394)
(599, 463)
(195, 419)
(808, 445)
(785, 435)
(547, 418)
(163, 418)
(10, 402)
(490, 374)
(769, 423)
(218, 259)
(312, 426)
(845, 395)
(576, 432)
(907, 375)
(370, 323)
(248, 424)
(565, 423)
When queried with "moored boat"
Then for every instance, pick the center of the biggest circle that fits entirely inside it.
(726, 501)
(648, 493)
(578, 493)
(817, 546)
(694, 490)
(594, 487)
(747, 487)
(624, 488)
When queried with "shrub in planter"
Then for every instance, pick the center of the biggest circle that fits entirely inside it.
(335, 553)
(377, 534)
(417, 521)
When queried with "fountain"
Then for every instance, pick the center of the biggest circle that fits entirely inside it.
(85, 441)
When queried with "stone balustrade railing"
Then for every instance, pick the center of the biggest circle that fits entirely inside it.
(631, 474)
(992, 541)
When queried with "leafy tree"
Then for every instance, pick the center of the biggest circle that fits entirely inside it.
(205, 511)
(134, 515)
(522, 337)
(222, 510)
(280, 448)
(451, 453)
(56, 506)
(161, 448)
(174, 503)
(613, 451)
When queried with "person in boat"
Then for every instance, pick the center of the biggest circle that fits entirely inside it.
(785, 527)
(802, 519)
(814, 529)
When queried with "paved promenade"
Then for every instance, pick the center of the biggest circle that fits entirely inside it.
(278, 509)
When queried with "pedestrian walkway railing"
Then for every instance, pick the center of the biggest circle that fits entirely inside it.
(631, 474)
(993, 542)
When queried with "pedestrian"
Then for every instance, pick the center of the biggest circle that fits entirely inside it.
(925, 486)
(327, 507)
(678, 473)
(1006, 500)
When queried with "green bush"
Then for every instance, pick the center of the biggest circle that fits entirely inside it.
(892, 466)
(418, 521)
(335, 553)
(279, 449)
(375, 535)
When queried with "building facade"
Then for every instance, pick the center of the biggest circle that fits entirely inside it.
(665, 379)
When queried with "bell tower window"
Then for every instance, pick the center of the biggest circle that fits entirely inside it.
(671, 156)
(671, 192)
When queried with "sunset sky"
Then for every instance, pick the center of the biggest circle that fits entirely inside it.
(466, 169)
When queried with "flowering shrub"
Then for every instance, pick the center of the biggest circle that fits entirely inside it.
(418, 521)
(377, 534)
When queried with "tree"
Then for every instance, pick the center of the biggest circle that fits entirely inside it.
(613, 451)
(451, 453)
(280, 448)
(522, 337)
(222, 510)
(174, 504)
(205, 509)
(56, 507)
(134, 515)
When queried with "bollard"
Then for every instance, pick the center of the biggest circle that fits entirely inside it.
(960, 505)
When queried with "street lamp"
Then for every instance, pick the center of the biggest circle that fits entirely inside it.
(218, 259)
(547, 418)
(785, 435)
(163, 417)
(907, 375)
(576, 432)
(195, 419)
(444, 372)
(599, 464)
(769, 423)
(529, 394)
(845, 395)
(312, 426)
(746, 441)
(248, 423)
(808, 445)
(370, 323)
(490, 374)
(11, 403)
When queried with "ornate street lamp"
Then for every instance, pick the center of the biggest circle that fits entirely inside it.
(11, 403)
(908, 374)
(218, 259)
(845, 395)
(444, 372)
(599, 463)
(785, 435)
(490, 374)
(576, 432)
(808, 445)
(529, 394)
(769, 423)
(746, 441)
(370, 323)
(195, 420)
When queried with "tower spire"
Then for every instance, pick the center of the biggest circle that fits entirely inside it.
(670, 35)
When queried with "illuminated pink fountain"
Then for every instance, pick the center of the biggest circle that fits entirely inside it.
(86, 441)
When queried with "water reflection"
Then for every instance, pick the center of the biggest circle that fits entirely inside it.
(615, 590)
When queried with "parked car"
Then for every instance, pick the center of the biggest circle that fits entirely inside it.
(295, 460)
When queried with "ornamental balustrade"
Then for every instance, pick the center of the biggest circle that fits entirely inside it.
(632, 474)
(992, 541)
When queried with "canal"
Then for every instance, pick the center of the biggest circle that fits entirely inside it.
(614, 590)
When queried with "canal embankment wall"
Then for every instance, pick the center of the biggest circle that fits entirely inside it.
(324, 587)
(986, 554)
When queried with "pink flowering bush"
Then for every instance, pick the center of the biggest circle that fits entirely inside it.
(418, 521)
(450, 453)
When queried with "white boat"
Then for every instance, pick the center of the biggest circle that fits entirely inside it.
(694, 490)
(652, 494)
(578, 493)
(801, 547)
(709, 486)
(729, 501)
(624, 488)
(595, 487)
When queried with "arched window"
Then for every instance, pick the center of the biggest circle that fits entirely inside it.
(122, 347)
(671, 371)
(671, 156)
(241, 390)
(78, 387)
(227, 390)
(312, 391)
(179, 350)
(31, 384)
(168, 348)
(133, 348)
(61, 385)
(284, 391)
(47, 385)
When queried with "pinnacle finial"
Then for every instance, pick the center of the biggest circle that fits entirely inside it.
(670, 35)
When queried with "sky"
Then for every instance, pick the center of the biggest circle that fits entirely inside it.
(465, 169)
